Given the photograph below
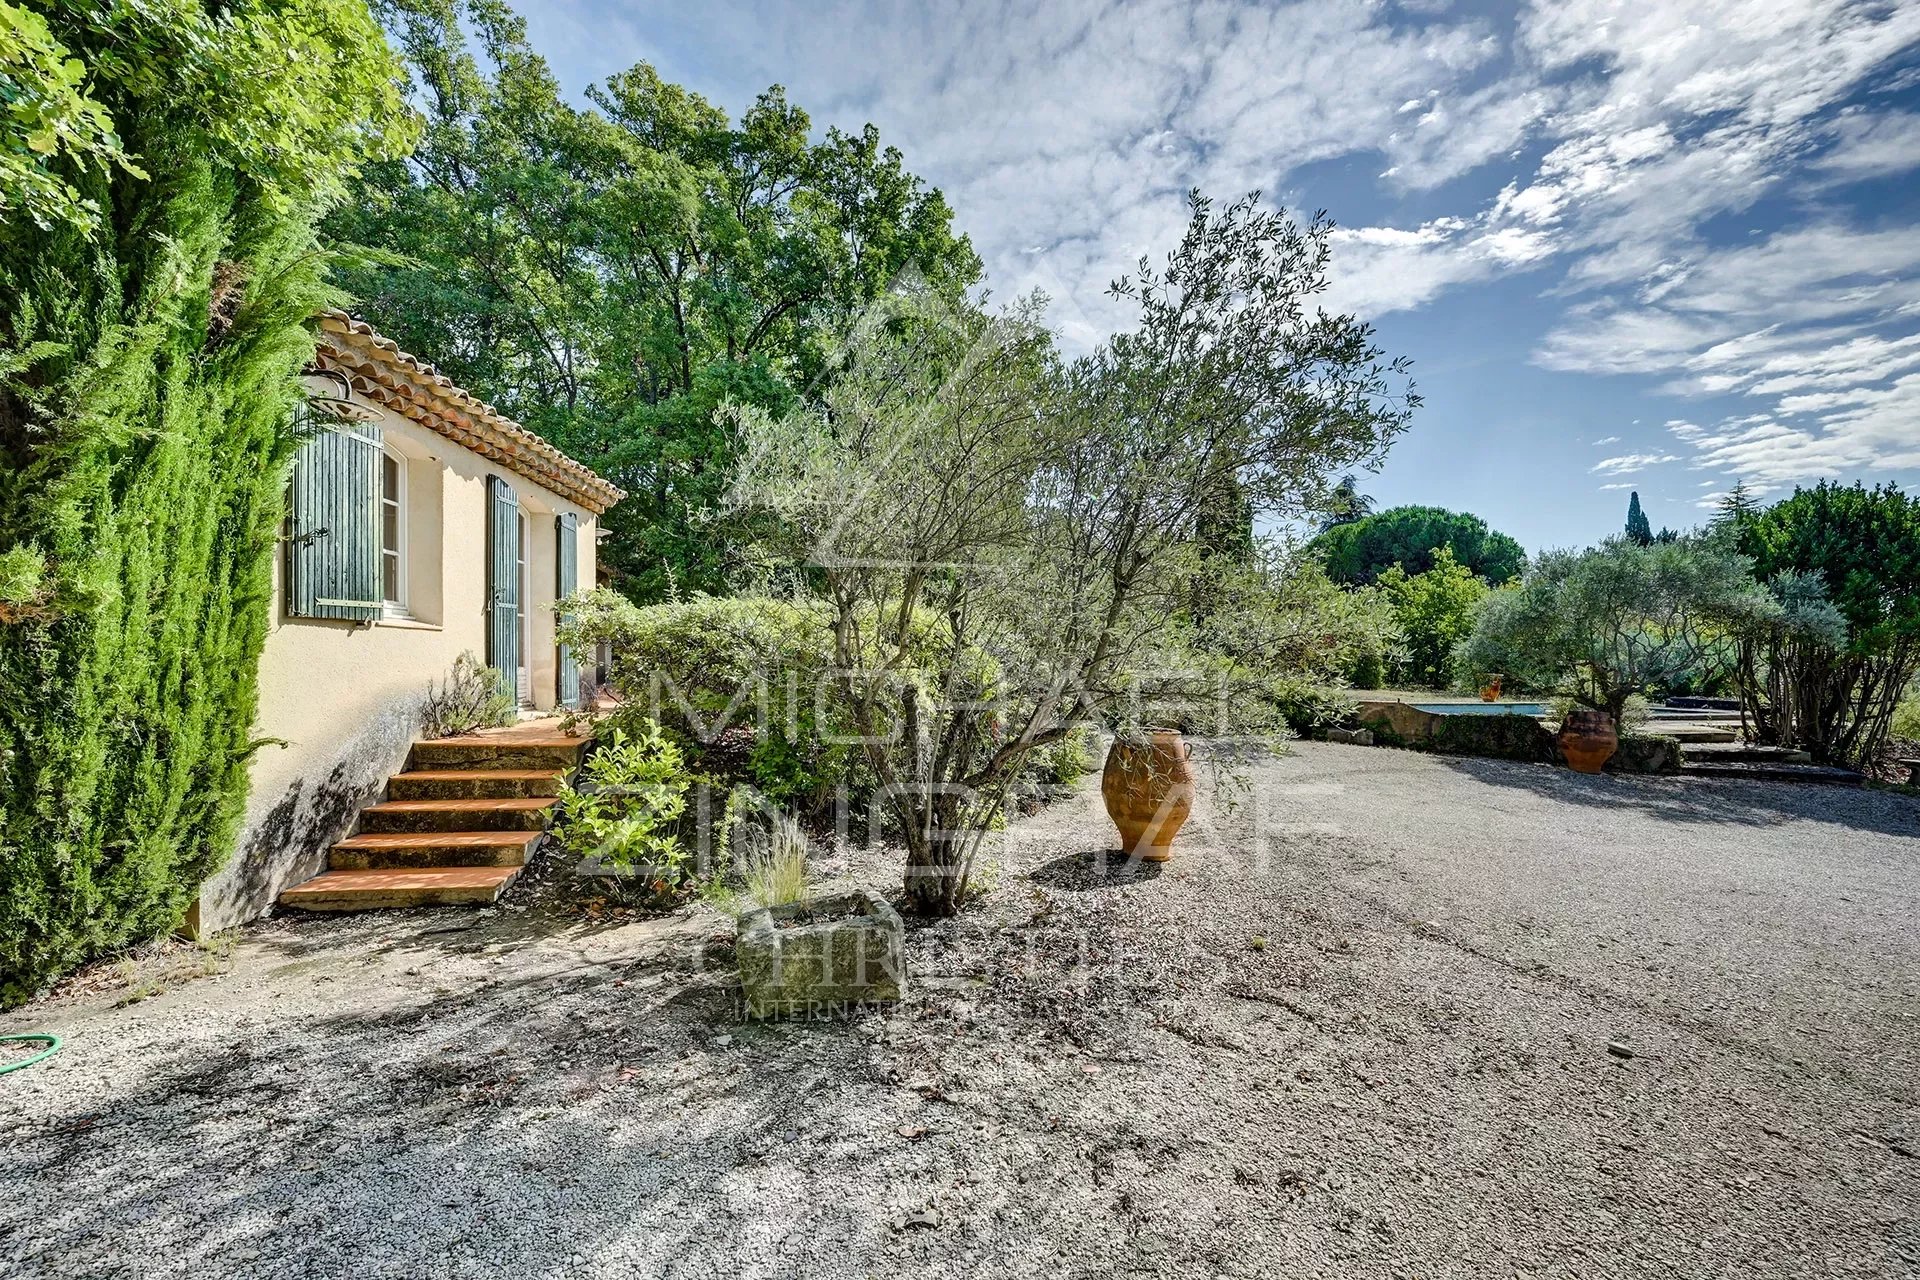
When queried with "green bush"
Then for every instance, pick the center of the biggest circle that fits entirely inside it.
(741, 683)
(1906, 718)
(1307, 706)
(1369, 670)
(1436, 611)
(159, 278)
(473, 696)
(634, 795)
(1066, 761)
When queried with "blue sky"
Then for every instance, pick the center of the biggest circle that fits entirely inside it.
(1628, 244)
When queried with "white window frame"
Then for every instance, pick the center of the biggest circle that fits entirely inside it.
(398, 607)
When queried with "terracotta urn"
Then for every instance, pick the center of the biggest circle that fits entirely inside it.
(1490, 691)
(1588, 740)
(1148, 787)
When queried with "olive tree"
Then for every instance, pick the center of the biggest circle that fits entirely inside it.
(960, 481)
(1620, 619)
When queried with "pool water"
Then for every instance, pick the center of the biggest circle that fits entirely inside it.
(1482, 708)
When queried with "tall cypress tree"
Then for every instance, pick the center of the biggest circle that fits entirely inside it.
(1639, 529)
(155, 293)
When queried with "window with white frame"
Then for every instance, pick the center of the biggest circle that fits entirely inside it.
(393, 533)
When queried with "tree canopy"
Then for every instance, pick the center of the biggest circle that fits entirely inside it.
(958, 477)
(1849, 552)
(610, 276)
(1357, 553)
(1620, 619)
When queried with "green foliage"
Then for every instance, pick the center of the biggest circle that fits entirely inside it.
(1905, 723)
(634, 793)
(1864, 546)
(1843, 563)
(735, 680)
(157, 298)
(1047, 516)
(1358, 553)
(23, 575)
(1639, 530)
(1602, 625)
(1065, 762)
(611, 276)
(1435, 611)
(1307, 705)
(473, 696)
(1368, 670)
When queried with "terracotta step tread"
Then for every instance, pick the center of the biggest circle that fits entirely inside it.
(544, 740)
(437, 839)
(463, 805)
(470, 775)
(408, 887)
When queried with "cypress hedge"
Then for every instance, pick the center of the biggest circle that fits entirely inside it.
(154, 317)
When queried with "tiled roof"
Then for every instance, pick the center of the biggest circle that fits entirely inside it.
(379, 370)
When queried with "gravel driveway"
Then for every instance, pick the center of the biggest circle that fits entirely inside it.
(1358, 1027)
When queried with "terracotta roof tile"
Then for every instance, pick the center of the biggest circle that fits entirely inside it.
(378, 369)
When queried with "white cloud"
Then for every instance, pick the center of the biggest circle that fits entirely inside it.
(1603, 150)
(1871, 146)
(1629, 463)
(1605, 440)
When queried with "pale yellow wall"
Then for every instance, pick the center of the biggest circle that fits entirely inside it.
(346, 696)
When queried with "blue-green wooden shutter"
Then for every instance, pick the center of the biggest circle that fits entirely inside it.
(567, 558)
(333, 527)
(503, 581)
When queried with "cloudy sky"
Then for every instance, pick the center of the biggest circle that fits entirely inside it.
(1629, 244)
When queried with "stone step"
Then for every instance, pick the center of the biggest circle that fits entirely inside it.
(419, 887)
(521, 813)
(446, 850)
(1761, 772)
(474, 784)
(1743, 753)
(517, 752)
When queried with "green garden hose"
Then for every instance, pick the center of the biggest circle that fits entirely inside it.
(52, 1043)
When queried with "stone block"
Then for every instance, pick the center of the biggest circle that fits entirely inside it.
(816, 958)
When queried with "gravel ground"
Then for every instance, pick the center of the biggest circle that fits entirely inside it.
(1359, 1027)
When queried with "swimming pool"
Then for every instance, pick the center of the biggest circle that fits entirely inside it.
(1482, 708)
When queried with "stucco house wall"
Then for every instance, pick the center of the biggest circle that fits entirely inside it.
(340, 701)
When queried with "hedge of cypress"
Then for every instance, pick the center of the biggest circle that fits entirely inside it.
(151, 335)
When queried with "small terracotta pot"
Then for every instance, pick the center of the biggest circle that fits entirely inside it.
(1148, 787)
(1588, 740)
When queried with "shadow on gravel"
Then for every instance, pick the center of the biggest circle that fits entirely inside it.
(1717, 801)
(1098, 869)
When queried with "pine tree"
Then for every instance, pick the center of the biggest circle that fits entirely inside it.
(1639, 529)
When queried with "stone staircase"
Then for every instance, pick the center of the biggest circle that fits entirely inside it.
(1761, 764)
(455, 829)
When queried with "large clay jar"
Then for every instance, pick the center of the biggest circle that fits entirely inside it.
(1588, 740)
(1148, 787)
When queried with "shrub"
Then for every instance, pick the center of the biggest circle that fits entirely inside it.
(1436, 611)
(156, 319)
(1065, 762)
(1307, 706)
(634, 795)
(1906, 718)
(1369, 670)
(473, 696)
(1842, 562)
(710, 669)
